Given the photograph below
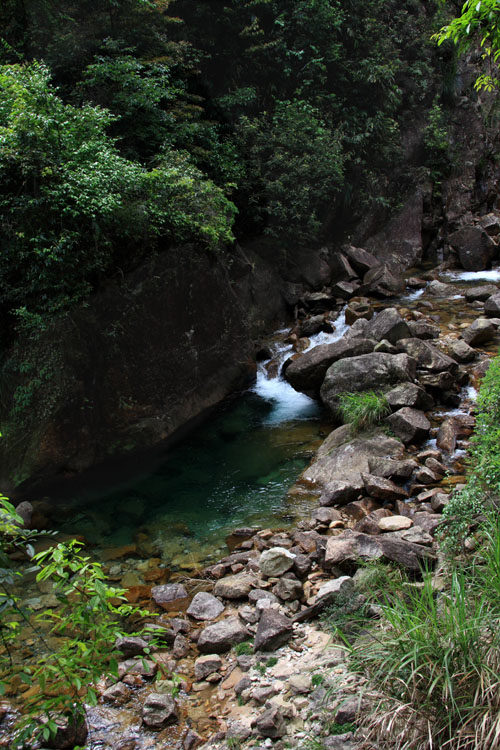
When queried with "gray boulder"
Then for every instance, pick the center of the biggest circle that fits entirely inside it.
(474, 246)
(481, 293)
(366, 372)
(308, 371)
(273, 631)
(383, 489)
(204, 606)
(462, 352)
(388, 467)
(234, 587)
(288, 589)
(159, 710)
(411, 425)
(480, 332)
(221, 636)
(170, 596)
(206, 665)
(427, 357)
(341, 491)
(270, 723)
(361, 260)
(388, 325)
(275, 561)
(409, 394)
(419, 329)
(492, 306)
(382, 282)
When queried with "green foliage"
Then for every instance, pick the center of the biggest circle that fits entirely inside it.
(433, 668)
(72, 207)
(437, 144)
(297, 162)
(478, 25)
(317, 680)
(363, 409)
(483, 481)
(242, 649)
(85, 626)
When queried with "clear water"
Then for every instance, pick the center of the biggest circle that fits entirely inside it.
(235, 470)
(492, 275)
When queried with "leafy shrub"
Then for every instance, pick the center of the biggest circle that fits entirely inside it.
(243, 649)
(363, 409)
(71, 207)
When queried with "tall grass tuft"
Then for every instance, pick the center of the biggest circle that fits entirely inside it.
(363, 409)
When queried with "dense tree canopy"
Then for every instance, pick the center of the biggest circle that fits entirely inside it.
(131, 126)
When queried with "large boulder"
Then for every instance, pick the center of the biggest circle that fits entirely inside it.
(204, 606)
(480, 332)
(207, 664)
(342, 458)
(170, 596)
(383, 489)
(352, 547)
(409, 394)
(234, 587)
(276, 561)
(420, 329)
(389, 467)
(474, 246)
(428, 357)
(411, 425)
(382, 282)
(221, 636)
(366, 372)
(481, 293)
(388, 325)
(361, 260)
(273, 631)
(159, 710)
(492, 306)
(307, 372)
(341, 491)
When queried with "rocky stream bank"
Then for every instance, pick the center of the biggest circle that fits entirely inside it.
(243, 656)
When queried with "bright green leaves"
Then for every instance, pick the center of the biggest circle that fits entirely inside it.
(70, 203)
(478, 24)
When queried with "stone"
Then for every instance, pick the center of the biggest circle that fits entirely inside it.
(427, 521)
(480, 332)
(438, 289)
(234, 587)
(337, 589)
(383, 489)
(275, 561)
(341, 456)
(388, 467)
(341, 492)
(394, 523)
(366, 372)
(436, 466)
(170, 596)
(300, 684)
(481, 293)
(206, 665)
(361, 260)
(238, 731)
(345, 289)
(425, 475)
(382, 282)
(448, 434)
(427, 357)
(242, 685)
(474, 246)
(306, 374)
(388, 325)
(180, 649)
(420, 329)
(143, 667)
(117, 694)
(288, 589)
(490, 223)
(131, 645)
(273, 631)
(350, 710)
(25, 511)
(411, 425)
(262, 694)
(159, 710)
(442, 381)
(205, 606)
(461, 351)
(416, 535)
(271, 723)
(359, 308)
(439, 502)
(312, 325)
(191, 740)
(70, 732)
(258, 594)
(492, 306)
(350, 547)
(411, 556)
(221, 636)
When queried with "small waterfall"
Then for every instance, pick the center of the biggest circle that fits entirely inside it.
(287, 403)
(492, 275)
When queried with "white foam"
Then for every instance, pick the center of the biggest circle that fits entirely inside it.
(492, 275)
(413, 295)
(471, 392)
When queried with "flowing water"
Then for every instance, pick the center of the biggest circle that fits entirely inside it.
(235, 470)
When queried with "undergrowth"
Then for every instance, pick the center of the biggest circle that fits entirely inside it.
(363, 409)
(433, 664)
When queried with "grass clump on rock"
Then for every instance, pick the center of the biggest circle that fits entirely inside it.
(363, 409)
